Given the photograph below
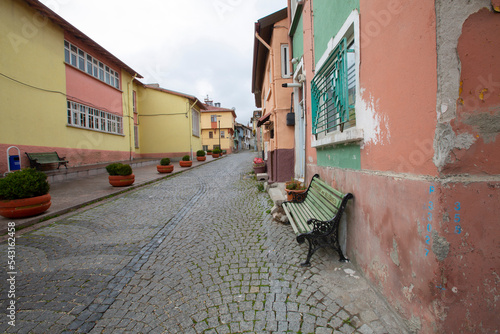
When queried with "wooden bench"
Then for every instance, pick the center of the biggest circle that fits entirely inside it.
(315, 216)
(44, 158)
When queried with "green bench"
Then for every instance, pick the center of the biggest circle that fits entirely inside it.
(315, 216)
(44, 158)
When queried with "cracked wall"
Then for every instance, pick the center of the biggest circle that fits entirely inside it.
(468, 80)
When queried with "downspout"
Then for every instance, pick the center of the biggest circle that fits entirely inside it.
(131, 118)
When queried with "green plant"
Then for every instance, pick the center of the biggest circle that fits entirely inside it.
(260, 187)
(119, 169)
(200, 153)
(295, 185)
(186, 158)
(209, 151)
(165, 162)
(25, 183)
(216, 151)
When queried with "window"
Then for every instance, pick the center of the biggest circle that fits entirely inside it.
(210, 134)
(196, 122)
(83, 116)
(213, 118)
(134, 101)
(222, 134)
(136, 136)
(285, 61)
(205, 148)
(86, 63)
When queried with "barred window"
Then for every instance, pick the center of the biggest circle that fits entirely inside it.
(333, 91)
(85, 62)
(83, 116)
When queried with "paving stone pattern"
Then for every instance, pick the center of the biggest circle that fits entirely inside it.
(194, 253)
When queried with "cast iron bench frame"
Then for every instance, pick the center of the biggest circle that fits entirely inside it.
(315, 216)
(44, 158)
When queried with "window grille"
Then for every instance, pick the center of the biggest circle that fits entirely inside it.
(332, 90)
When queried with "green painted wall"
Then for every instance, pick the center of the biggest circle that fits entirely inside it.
(298, 41)
(329, 16)
(340, 156)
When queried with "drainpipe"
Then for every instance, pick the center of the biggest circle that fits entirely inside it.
(130, 115)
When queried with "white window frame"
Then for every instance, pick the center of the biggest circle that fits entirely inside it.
(285, 61)
(85, 62)
(86, 117)
(355, 133)
(196, 122)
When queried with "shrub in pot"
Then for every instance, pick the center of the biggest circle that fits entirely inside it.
(294, 187)
(216, 152)
(186, 161)
(165, 166)
(200, 155)
(24, 193)
(120, 175)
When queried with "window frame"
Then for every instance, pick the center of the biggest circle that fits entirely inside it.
(89, 118)
(85, 62)
(285, 61)
(350, 32)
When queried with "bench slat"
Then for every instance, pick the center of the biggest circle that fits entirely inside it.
(324, 207)
(326, 195)
(299, 218)
(330, 188)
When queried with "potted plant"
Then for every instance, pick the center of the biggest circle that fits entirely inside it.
(165, 166)
(216, 152)
(292, 187)
(186, 161)
(200, 155)
(259, 166)
(24, 193)
(120, 175)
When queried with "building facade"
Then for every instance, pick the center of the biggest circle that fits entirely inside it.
(63, 92)
(271, 69)
(217, 127)
(400, 104)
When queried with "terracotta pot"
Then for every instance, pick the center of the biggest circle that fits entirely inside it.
(25, 207)
(214, 155)
(121, 180)
(203, 158)
(289, 193)
(259, 169)
(165, 168)
(185, 163)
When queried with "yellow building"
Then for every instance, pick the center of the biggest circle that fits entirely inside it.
(217, 127)
(63, 92)
(168, 122)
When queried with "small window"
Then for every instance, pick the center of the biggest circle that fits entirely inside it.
(222, 134)
(285, 61)
(210, 134)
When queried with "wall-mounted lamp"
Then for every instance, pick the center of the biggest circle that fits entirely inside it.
(294, 60)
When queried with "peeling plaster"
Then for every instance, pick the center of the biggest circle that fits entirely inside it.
(371, 122)
(448, 31)
(486, 124)
(394, 253)
(440, 246)
(445, 141)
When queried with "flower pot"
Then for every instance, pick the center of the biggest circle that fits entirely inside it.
(25, 207)
(164, 168)
(203, 158)
(214, 155)
(121, 180)
(185, 163)
(289, 193)
(259, 168)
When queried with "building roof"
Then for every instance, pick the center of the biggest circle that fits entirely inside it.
(212, 109)
(192, 98)
(263, 27)
(66, 26)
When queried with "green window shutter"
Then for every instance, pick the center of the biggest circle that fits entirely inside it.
(330, 92)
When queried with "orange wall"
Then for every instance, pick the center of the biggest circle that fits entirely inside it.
(398, 83)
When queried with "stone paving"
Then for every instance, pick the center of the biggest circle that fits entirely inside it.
(194, 253)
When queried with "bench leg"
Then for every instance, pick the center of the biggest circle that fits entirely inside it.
(314, 245)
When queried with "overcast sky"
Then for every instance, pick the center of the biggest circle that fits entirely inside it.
(196, 47)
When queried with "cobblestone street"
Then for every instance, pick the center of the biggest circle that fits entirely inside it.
(197, 252)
